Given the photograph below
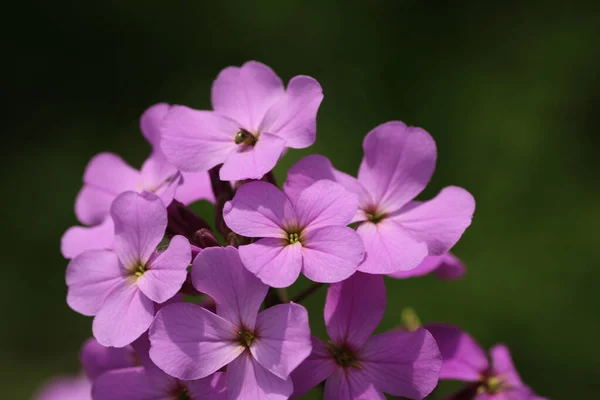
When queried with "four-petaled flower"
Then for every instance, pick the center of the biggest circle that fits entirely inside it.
(120, 287)
(305, 233)
(260, 350)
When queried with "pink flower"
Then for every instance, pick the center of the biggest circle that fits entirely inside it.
(107, 176)
(445, 267)
(465, 360)
(66, 388)
(359, 366)
(397, 231)
(253, 121)
(120, 287)
(305, 233)
(260, 350)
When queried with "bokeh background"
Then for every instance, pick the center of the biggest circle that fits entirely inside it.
(509, 90)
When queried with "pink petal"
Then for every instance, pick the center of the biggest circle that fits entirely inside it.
(446, 266)
(439, 222)
(66, 388)
(196, 141)
(218, 272)
(331, 254)
(294, 117)
(354, 308)
(246, 93)
(106, 176)
(196, 186)
(397, 165)
(248, 380)
(97, 359)
(124, 316)
(134, 384)
(259, 209)
(389, 248)
(463, 359)
(319, 366)
(503, 366)
(91, 277)
(212, 387)
(313, 168)
(254, 162)
(283, 338)
(402, 363)
(156, 174)
(350, 384)
(451, 267)
(151, 121)
(140, 223)
(273, 261)
(78, 239)
(167, 271)
(325, 203)
(189, 342)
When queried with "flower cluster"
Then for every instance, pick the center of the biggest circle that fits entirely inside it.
(182, 311)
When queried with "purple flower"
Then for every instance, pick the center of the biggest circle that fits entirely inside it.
(253, 121)
(148, 382)
(97, 359)
(465, 360)
(120, 287)
(260, 350)
(397, 231)
(107, 176)
(66, 388)
(447, 266)
(359, 366)
(305, 233)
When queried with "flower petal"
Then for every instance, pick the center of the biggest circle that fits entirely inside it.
(91, 277)
(212, 387)
(253, 162)
(463, 359)
(78, 239)
(97, 359)
(283, 338)
(156, 174)
(274, 262)
(77, 387)
(354, 308)
(259, 209)
(106, 176)
(451, 267)
(313, 168)
(151, 121)
(398, 163)
(402, 363)
(134, 384)
(350, 384)
(331, 254)
(389, 248)
(319, 366)
(196, 141)
(446, 266)
(439, 222)
(124, 316)
(140, 222)
(218, 272)
(166, 271)
(248, 380)
(196, 186)
(325, 203)
(294, 117)
(189, 342)
(246, 93)
(503, 366)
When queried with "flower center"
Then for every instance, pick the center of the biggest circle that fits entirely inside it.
(293, 238)
(245, 338)
(492, 385)
(183, 394)
(344, 357)
(375, 217)
(139, 270)
(245, 138)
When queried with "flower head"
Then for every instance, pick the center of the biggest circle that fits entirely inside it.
(119, 287)
(465, 360)
(253, 121)
(397, 231)
(357, 365)
(305, 233)
(260, 350)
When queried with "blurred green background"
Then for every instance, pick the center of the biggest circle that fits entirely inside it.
(509, 90)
